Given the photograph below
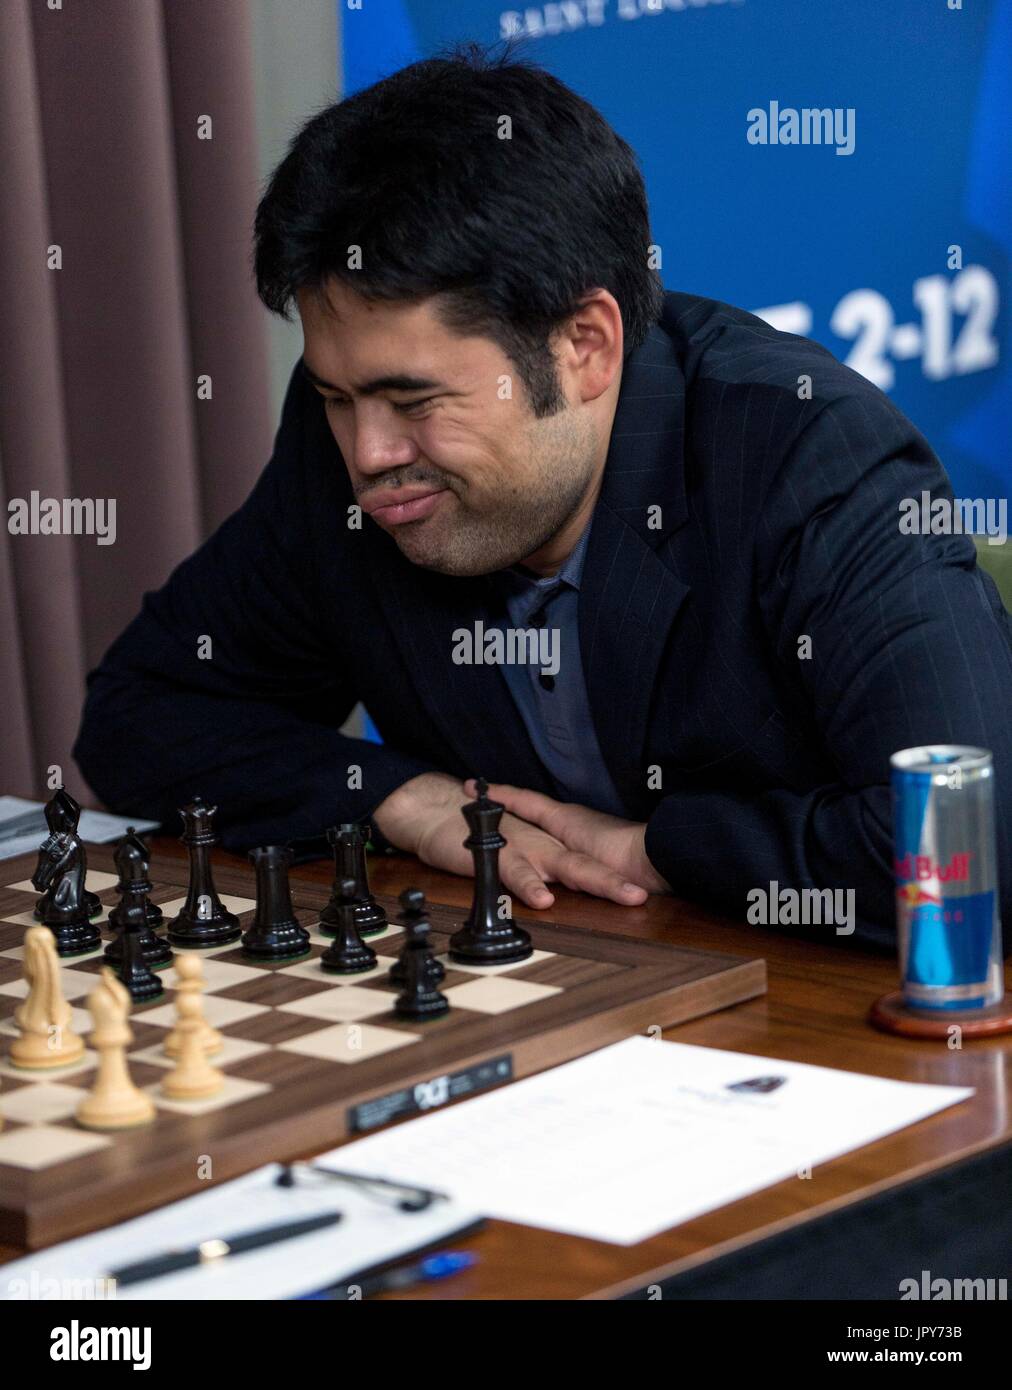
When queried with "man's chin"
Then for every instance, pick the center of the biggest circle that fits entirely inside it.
(442, 554)
(439, 561)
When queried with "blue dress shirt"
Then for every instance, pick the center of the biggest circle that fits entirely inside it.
(555, 708)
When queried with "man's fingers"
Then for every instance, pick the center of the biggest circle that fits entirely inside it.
(504, 792)
(531, 806)
(521, 877)
(589, 875)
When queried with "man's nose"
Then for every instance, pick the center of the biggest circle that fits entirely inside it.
(381, 444)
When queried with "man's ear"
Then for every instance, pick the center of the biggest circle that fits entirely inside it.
(590, 346)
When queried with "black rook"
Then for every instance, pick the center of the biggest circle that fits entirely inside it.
(348, 843)
(276, 933)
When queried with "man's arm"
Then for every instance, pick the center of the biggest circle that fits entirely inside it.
(909, 645)
(224, 684)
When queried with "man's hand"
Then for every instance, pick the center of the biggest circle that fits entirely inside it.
(609, 840)
(424, 817)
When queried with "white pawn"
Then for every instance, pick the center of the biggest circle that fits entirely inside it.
(193, 1077)
(190, 981)
(43, 1020)
(114, 1102)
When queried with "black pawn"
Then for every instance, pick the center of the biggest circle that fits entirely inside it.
(486, 938)
(152, 911)
(143, 984)
(348, 842)
(63, 814)
(412, 902)
(276, 933)
(132, 866)
(419, 1000)
(203, 920)
(347, 954)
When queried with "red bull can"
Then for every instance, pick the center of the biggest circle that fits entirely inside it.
(946, 870)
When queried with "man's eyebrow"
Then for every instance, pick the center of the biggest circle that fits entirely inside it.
(396, 382)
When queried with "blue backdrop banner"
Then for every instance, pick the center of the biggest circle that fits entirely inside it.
(842, 167)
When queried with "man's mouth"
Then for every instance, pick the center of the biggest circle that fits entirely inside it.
(393, 508)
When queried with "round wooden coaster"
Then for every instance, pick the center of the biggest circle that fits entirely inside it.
(893, 1015)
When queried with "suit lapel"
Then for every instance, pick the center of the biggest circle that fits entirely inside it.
(628, 596)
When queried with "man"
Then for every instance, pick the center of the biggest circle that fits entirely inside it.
(635, 557)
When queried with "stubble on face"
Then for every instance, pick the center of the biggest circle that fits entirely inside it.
(471, 535)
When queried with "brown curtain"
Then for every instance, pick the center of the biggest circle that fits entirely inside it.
(101, 108)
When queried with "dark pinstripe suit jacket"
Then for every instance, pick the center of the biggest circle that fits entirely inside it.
(778, 522)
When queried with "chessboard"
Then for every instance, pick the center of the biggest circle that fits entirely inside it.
(309, 1059)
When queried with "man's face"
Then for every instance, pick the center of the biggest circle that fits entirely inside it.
(440, 443)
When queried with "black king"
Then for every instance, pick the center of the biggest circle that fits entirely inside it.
(487, 938)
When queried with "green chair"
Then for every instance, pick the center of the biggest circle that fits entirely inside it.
(996, 560)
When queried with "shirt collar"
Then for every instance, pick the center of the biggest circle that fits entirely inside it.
(516, 581)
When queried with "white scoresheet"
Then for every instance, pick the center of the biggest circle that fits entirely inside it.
(641, 1136)
(370, 1233)
(23, 826)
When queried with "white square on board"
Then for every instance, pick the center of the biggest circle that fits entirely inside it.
(80, 1023)
(54, 1073)
(344, 1005)
(41, 1105)
(28, 919)
(86, 1063)
(234, 1050)
(498, 995)
(217, 974)
(235, 1090)
(18, 952)
(532, 959)
(218, 1011)
(75, 983)
(313, 970)
(40, 1146)
(391, 929)
(231, 904)
(348, 1042)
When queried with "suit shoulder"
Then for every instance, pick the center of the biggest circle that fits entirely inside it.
(737, 366)
(724, 344)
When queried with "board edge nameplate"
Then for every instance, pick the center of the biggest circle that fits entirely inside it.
(430, 1094)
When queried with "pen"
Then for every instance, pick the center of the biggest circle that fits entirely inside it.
(427, 1271)
(210, 1250)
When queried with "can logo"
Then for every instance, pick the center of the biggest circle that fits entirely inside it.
(923, 866)
(910, 895)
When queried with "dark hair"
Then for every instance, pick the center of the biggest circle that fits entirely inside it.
(511, 233)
